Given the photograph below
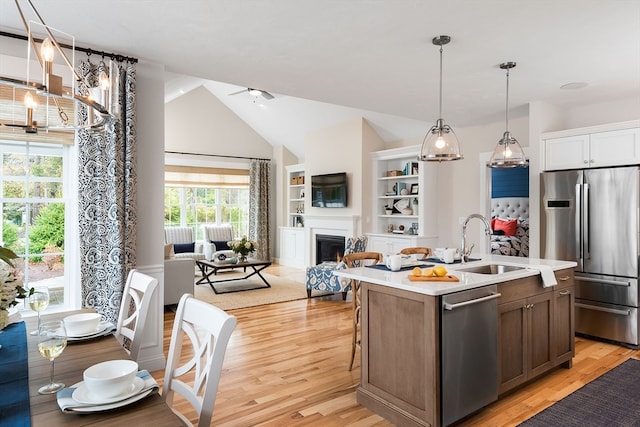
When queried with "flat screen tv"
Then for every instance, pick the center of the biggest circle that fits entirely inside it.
(329, 190)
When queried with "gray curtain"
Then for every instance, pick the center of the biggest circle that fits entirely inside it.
(107, 193)
(259, 183)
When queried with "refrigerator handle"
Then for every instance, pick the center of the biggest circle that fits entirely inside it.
(585, 224)
(577, 222)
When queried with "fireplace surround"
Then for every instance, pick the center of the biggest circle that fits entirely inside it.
(329, 248)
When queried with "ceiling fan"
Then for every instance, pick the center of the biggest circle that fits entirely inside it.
(255, 93)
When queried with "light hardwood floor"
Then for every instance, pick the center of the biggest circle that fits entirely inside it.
(287, 365)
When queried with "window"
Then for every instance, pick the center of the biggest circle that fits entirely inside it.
(33, 212)
(194, 206)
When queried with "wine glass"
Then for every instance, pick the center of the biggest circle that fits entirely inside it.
(52, 339)
(38, 301)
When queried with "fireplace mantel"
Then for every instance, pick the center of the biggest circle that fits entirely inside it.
(336, 225)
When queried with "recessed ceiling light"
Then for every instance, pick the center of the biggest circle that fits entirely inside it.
(574, 85)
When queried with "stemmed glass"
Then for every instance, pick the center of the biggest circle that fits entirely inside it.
(52, 339)
(38, 301)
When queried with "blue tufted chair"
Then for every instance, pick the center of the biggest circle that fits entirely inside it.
(320, 277)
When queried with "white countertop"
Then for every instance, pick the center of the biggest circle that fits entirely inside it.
(400, 279)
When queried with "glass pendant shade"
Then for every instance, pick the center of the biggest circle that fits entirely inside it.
(508, 153)
(440, 143)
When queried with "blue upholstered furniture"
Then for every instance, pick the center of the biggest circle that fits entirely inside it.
(321, 278)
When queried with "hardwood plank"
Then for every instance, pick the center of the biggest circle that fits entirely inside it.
(287, 364)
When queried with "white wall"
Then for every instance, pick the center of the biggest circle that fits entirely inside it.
(198, 122)
(150, 201)
(331, 150)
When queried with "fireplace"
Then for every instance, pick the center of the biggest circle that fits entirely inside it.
(329, 248)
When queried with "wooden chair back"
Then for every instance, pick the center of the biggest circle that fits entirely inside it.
(134, 309)
(417, 250)
(357, 259)
(207, 329)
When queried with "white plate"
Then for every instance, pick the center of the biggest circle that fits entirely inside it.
(83, 395)
(108, 407)
(101, 327)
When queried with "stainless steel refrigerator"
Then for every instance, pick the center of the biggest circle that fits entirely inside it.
(591, 216)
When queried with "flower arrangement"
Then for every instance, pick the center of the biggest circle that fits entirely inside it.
(11, 288)
(243, 246)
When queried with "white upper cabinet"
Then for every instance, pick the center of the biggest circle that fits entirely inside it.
(592, 147)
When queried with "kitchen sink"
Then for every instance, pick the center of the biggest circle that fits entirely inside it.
(490, 269)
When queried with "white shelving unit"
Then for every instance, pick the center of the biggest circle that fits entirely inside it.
(394, 170)
(292, 236)
(295, 195)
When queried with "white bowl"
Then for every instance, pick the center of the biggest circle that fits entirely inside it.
(81, 324)
(110, 378)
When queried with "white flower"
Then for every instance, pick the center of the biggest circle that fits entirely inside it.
(10, 288)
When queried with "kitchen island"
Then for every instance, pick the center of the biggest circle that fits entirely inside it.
(429, 360)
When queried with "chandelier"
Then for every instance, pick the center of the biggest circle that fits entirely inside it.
(47, 51)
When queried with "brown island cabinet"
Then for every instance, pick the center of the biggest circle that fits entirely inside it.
(401, 357)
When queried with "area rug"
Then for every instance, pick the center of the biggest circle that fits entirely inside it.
(613, 399)
(282, 289)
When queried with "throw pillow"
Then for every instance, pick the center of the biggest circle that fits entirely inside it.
(168, 250)
(221, 245)
(181, 248)
(508, 226)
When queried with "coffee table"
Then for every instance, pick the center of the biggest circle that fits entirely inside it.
(209, 268)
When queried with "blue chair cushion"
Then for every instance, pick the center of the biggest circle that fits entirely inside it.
(181, 248)
(321, 278)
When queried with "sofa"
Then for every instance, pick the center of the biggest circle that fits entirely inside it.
(179, 278)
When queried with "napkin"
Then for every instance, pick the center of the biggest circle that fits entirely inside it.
(546, 272)
(68, 405)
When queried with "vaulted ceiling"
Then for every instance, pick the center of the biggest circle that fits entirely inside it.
(328, 60)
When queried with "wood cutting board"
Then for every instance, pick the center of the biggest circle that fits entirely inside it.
(446, 278)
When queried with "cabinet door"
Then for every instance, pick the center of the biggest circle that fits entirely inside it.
(620, 147)
(512, 345)
(379, 244)
(540, 333)
(571, 152)
(563, 323)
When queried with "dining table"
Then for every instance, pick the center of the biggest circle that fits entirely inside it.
(69, 367)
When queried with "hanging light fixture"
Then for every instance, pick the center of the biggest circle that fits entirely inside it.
(508, 153)
(440, 143)
(45, 46)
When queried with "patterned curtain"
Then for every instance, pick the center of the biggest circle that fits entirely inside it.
(259, 182)
(107, 192)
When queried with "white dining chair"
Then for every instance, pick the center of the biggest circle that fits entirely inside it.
(134, 308)
(208, 329)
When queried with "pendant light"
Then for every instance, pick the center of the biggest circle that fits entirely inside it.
(440, 143)
(508, 153)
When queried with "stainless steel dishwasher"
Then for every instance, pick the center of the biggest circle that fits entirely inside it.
(469, 352)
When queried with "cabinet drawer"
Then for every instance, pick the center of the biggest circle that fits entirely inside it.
(564, 277)
(521, 288)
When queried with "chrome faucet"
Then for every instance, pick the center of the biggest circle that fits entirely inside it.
(464, 251)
